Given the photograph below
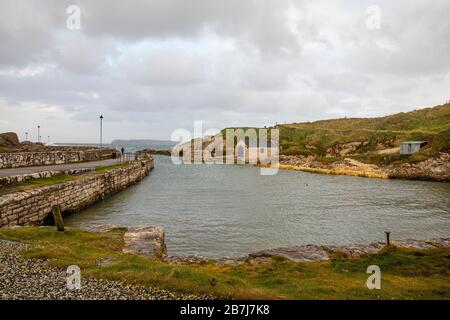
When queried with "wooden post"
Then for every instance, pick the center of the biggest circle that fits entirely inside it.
(56, 210)
(387, 237)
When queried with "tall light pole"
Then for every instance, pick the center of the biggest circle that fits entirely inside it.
(101, 131)
(48, 139)
(26, 136)
(39, 133)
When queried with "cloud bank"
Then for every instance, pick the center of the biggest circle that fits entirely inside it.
(153, 66)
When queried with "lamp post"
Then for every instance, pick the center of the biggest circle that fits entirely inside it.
(101, 131)
(39, 133)
(26, 136)
(48, 139)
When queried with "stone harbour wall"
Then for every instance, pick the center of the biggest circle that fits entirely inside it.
(29, 159)
(34, 206)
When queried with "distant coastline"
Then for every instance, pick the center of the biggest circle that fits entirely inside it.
(151, 142)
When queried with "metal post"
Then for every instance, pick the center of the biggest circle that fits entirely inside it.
(387, 237)
(39, 133)
(26, 136)
(101, 131)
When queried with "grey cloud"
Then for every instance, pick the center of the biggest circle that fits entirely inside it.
(152, 66)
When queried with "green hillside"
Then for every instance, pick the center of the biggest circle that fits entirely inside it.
(315, 138)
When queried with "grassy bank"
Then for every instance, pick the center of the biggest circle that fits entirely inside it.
(56, 179)
(406, 274)
(315, 138)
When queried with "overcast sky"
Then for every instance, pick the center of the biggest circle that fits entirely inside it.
(153, 66)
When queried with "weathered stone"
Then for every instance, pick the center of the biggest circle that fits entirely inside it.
(306, 253)
(146, 241)
(233, 261)
(440, 242)
(53, 155)
(356, 250)
(100, 227)
(413, 244)
(435, 168)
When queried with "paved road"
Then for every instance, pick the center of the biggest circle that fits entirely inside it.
(58, 167)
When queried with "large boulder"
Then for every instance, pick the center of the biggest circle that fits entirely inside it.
(9, 139)
(145, 241)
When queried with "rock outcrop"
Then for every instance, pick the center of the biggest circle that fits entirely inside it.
(150, 242)
(145, 241)
(433, 169)
(347, 166)
(307, 253)
(9, 140)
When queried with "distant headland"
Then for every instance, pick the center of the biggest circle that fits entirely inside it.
(134, 142)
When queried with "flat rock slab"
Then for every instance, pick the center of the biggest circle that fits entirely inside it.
(100, 227)
(356, 250)
(307, 253)
(413, 244)
(145, 241)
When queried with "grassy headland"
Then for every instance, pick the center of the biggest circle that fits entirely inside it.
(370, 135)
(406, 274)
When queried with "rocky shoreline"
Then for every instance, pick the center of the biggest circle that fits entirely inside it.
(432, 169)
(150, 242)
(30, 278)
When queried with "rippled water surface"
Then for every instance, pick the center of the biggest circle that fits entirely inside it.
(231, 210)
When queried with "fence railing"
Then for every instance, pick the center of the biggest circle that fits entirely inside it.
(127, 156)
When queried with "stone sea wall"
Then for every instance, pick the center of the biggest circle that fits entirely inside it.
(28, 159)
(34, 206)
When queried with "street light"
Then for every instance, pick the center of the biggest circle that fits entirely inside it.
(26, 136)
(101, 131)
(39, 133)
(48, 139)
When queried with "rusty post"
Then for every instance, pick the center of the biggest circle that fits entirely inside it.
(387, 237)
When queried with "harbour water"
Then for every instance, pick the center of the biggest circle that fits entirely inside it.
(231, 210)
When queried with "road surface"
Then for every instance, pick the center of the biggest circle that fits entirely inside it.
(57, 167)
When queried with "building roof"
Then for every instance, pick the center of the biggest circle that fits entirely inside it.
(414, 142)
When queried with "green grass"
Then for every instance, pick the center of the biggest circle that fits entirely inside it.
(36, 183)
(406, 274)
(430, 124)
(57, 179)
(103, 169)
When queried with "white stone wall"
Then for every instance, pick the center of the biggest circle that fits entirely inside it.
(28, 159)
